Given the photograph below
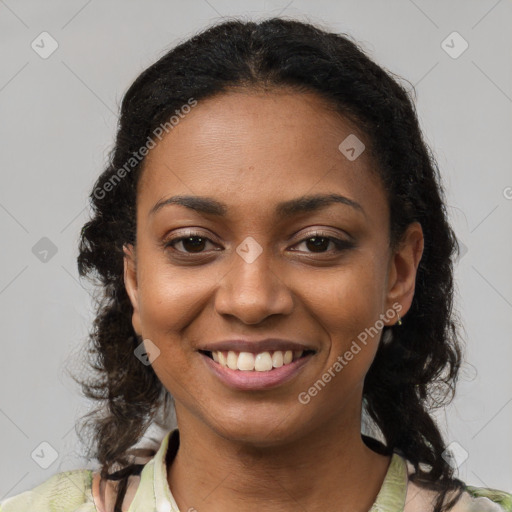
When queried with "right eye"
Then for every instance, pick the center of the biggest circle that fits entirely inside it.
(193, 241)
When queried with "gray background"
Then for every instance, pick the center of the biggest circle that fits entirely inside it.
(58, 121)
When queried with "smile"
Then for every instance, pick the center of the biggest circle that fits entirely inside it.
(260, 362)
(255, 371)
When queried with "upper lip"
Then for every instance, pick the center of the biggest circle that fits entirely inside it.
(255, 346)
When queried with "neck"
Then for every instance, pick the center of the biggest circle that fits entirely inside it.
(329, 468)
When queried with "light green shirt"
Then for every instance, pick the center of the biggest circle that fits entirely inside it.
(71, 491)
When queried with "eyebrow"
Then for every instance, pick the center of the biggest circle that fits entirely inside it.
(304, 204)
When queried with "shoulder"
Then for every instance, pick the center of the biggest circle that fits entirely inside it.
(483, 499)
(68, 491)
(472, 499)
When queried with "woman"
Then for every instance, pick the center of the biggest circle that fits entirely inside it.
(273, 246)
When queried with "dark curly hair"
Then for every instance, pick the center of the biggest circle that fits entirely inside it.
(410, 376)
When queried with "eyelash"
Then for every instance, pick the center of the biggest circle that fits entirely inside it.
(340, 245)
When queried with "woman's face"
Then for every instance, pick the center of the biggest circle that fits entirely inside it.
(271, 257)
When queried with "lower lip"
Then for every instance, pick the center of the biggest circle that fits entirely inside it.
(254, 380)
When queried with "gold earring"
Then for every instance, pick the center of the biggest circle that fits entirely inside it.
(399, 320)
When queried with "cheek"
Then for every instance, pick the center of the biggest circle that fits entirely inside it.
(169, 298)
(170, 301)
(349, 299)
(347, 304)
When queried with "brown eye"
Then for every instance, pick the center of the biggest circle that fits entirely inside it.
(193, 243)
(319, 243)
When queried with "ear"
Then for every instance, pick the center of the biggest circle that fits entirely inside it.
(130, 283)
(402, 270)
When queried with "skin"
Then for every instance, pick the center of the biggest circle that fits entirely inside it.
(264, 450)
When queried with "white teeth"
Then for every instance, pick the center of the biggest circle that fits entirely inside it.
(277, 359)
(245, 361)
(232, 360)
(261, 362)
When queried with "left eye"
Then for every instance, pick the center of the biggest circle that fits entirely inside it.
(194, 243)
(319, 241)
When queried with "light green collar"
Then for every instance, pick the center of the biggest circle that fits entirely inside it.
(392, 494)
(153, 491)
(153, 487)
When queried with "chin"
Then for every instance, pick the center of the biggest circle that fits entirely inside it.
(259, 430)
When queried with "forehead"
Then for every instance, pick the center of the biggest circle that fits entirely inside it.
(252, 149)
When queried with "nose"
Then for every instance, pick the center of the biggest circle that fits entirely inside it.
(252, 291)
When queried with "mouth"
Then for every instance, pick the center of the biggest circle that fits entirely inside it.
(267, 361)
(248, 371)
